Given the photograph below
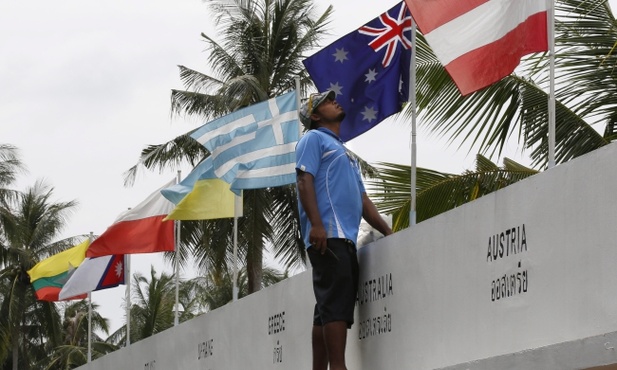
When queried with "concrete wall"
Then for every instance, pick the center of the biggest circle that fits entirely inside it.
(524, 278)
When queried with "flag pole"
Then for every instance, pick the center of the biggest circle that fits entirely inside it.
(412, 99)
(177, 265)
(298, 103)
(127, 272)
(551, 99)
(90, 315)
(235, 275)
(127, 264)
(89, 326)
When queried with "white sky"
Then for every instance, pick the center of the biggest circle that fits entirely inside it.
(85, 85)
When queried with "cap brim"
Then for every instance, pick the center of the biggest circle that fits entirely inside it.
(329, 95)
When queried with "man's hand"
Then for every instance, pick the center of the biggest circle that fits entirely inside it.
(372, 216)
(317, 238)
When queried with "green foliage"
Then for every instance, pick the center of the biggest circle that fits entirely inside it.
(218, 285)
(256, 55)
(73, 351)
(152, 305)
(517, 106)
(30, 223)
(438, 192)
(153, 299)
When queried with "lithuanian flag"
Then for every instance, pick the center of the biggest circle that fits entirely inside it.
(49, 275)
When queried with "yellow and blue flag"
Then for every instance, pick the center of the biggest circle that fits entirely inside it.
(201, 196)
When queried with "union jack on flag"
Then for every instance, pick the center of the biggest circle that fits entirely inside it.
(368, 69)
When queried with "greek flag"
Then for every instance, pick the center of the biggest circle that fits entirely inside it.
(254, 147)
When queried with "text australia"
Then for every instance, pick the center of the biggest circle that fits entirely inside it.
(375, 289)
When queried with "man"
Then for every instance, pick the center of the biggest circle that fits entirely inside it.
(332, 203)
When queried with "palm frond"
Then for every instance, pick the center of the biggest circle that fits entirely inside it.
(287, 243)
(256, 55)
(439, 192)
(167, 155)
(516, 107)
(10, 165)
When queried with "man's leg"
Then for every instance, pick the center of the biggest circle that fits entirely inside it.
(335, 336)
(320, 354)
(335, 285)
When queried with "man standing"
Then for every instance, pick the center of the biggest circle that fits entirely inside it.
(332, 203)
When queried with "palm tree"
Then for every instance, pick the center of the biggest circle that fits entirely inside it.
(263, 43)
(153, 302)
(439, 192)
(10, 166)
(586, 86)
(586, 91)
(217, 286)
(29, 225)
(73, 352)
(153, 311)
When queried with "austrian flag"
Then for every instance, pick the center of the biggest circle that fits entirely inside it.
(479, 42)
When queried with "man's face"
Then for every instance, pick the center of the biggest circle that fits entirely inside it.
(330, 111)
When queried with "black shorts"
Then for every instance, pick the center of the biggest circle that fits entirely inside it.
(335, 282)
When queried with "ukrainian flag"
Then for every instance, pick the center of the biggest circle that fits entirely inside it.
(201, 196)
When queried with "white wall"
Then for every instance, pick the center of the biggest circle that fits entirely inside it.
(428, 298)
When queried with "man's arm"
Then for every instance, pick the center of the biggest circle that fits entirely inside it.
(372, 216)
(308, 198)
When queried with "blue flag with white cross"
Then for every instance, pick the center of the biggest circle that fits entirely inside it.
(254, 147)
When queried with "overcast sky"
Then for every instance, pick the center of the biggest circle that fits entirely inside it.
(85, 85)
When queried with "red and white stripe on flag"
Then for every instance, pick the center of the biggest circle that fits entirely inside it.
(479, 42)
(139, 230)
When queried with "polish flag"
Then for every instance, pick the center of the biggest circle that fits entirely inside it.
(139, 230)
(481, 41)
(94, 274)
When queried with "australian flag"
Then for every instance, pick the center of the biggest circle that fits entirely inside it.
(368, 69)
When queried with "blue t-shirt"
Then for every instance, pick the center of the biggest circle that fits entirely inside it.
(338, 184)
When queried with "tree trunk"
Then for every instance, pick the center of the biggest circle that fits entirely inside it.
(254, 267)
(15, 341)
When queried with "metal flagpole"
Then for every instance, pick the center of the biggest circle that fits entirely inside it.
(235, 277)
(89, 326)
(298, 102)
(127, 279)
(551, 98)
(412, 99)
(177, 265)
(90, 315)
